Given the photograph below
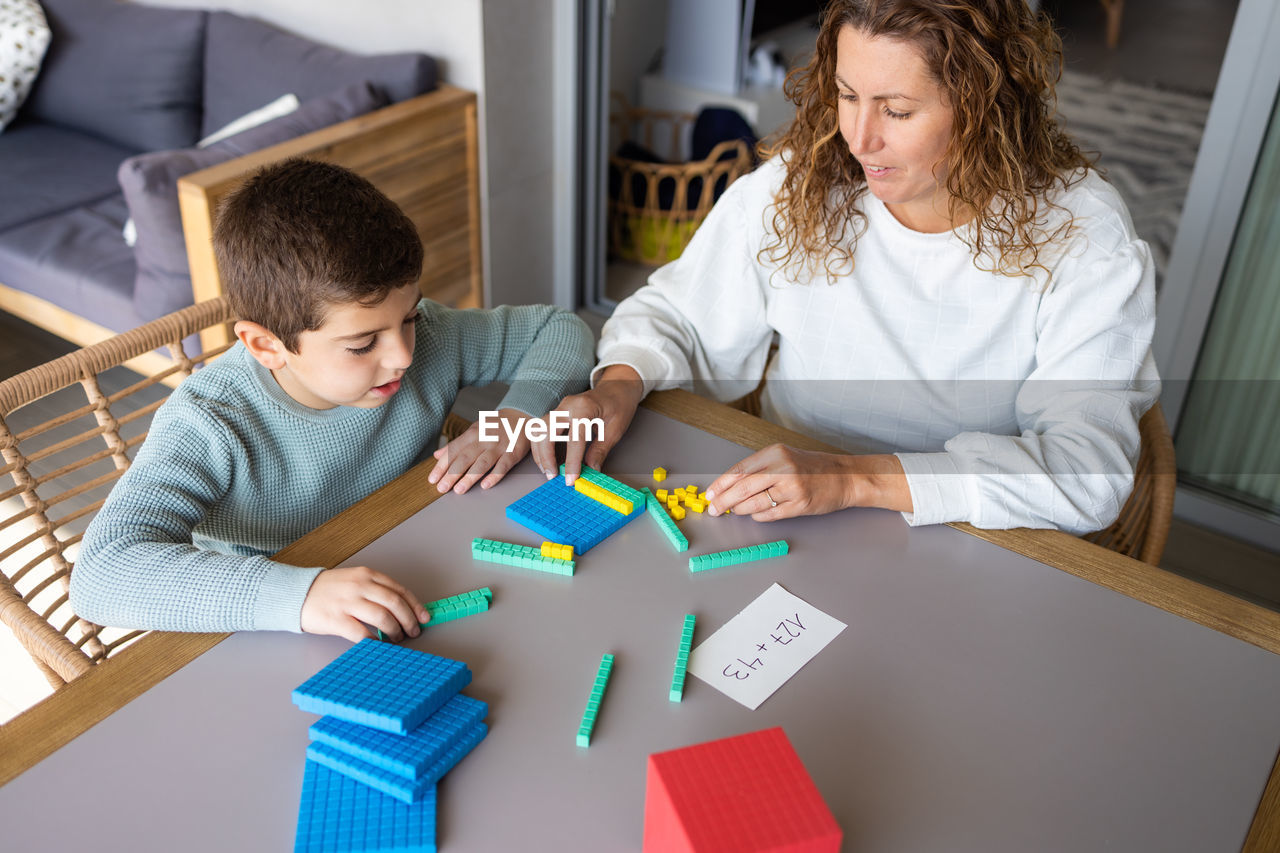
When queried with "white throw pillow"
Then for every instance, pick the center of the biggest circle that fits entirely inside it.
(24, 37)
(281, 106)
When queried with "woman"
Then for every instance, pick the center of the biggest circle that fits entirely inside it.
(958, 299)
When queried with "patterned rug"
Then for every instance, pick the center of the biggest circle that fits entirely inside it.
(1147, 140)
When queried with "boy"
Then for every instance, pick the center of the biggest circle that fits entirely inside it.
(341, 378)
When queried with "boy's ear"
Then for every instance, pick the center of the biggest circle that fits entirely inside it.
(261, 343)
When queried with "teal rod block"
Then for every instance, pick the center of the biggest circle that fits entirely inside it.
(455, 607)
(733, 557)
(604, 481)
(458, 606)
(519, 556)
(682, 658)
(588, 723)
(665, 522)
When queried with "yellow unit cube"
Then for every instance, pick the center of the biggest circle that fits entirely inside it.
(673, 502)
(677, 512)
(661, 495)
(696, 505)
(659, 474)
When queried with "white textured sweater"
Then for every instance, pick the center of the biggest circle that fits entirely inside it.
(1011, 402)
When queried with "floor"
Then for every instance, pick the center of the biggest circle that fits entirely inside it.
(1173, 44)
(1176, 44)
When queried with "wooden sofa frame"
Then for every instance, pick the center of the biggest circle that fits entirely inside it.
(421, 152)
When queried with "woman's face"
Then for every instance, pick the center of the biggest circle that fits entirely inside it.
(897, 123)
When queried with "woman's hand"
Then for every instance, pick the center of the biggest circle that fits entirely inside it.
(783, 482)
(614, 400)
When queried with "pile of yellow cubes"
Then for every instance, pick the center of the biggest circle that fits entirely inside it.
(673, 498)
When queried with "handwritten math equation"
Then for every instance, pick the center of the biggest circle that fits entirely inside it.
(786, 632)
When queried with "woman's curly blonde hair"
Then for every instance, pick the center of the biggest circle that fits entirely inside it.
(997, 63)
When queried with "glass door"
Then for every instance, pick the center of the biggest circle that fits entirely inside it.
(1218, 333)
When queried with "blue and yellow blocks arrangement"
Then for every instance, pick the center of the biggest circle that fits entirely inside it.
(372, 788)
(563, 514)
(520, 556)
(668, 526)
(733, 557)
(601, 495)
(588, 723)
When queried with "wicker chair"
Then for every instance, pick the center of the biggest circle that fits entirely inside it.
(63, 467)
(1142, 530)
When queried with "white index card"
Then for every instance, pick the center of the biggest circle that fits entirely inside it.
(755, 652)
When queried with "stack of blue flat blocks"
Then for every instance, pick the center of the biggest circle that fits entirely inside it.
(394, 723)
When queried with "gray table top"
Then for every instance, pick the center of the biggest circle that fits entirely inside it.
(978, 701)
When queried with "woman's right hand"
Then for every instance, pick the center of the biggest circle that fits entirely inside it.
(614, 400)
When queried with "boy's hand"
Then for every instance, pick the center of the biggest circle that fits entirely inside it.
(463, 461)
(614, 400)
(344, 601)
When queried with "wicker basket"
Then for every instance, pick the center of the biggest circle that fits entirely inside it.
(654, 208)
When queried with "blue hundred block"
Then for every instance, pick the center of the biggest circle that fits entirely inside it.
(339, 815)
(384, 686)
(407, 756)
(562, 514)
(392, 784)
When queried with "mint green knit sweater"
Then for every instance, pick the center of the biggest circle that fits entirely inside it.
(234, 469)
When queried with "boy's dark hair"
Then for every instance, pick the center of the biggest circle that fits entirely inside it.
(301, 235)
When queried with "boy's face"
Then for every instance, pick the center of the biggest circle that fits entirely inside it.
(357, 357)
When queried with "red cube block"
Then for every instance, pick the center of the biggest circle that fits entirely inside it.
(737, 795)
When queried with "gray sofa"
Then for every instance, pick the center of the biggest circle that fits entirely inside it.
(124, 93)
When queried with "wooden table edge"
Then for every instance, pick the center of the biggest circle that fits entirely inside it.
(44, 728)
(54, 722)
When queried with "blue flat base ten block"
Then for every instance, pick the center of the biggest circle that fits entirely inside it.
(407, 756)
(384, 686)
(339, 815)
(392, 784)
(562, 514)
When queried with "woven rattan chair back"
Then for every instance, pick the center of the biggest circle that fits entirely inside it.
(72, 439)
(1142, 529)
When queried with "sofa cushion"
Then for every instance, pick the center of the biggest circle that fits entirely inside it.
(248, 63)
(24, 37)
(127, 73)
(46, 169)
(77, 261)
(150, 187)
